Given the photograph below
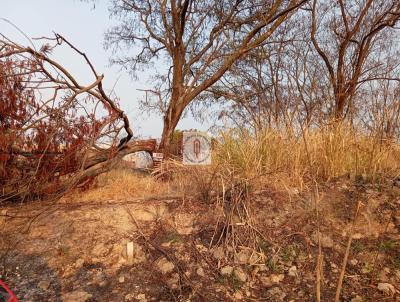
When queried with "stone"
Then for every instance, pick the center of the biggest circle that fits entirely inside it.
(100, 278)
(240, 274)
(238, 295)
(173, 281)
(262, 268)
(138, 160)
(200, 272)
(277, 278)
(386, 269)
(141, 297)
(292, 271)
(121, 279)
(277, 293)
(326, 241)
(100, 250)
(353, 262)
(143, 215)
(357, 299)
(44, 285)
(218, 253)
(134, 253)
(266, 281)
(268, 221)
(129, 252)
(201, 248)
(167, 244)
(129, 297)
(165, 266)
(243, 257)
(77, 296)
(226, 270)
(382, 276)
(79, 263)
(387, 288)
(271, 280)
(184, 223)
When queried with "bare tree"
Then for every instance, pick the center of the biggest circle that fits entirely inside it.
(198, 40)
(276, 85)
(345, 34)
(282, 81)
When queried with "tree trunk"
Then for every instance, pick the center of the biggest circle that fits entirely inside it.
(171, 119)
(341, 102)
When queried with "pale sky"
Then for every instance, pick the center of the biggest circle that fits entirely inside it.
(84, 27)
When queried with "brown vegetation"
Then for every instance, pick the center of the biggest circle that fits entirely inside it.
(300, 203)
(51, 125)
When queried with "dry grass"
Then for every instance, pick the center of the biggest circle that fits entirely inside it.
(243, 162)
(124, 184)
(271, 157)
(333, 153)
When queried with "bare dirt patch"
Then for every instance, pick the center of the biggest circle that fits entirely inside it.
(165, 249)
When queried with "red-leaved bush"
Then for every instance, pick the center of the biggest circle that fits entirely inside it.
(51, 126)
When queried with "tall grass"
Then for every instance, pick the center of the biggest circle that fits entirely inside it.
(253, 160)
(323, 153)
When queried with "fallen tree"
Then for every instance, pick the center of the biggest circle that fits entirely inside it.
(53, 128)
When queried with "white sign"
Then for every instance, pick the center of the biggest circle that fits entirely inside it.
(158, 156)
(196, 148)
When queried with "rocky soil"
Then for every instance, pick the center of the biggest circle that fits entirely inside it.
(181, 250)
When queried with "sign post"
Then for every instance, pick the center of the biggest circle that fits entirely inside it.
(196, 148)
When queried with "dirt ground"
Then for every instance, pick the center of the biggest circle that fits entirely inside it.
(169, 249)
